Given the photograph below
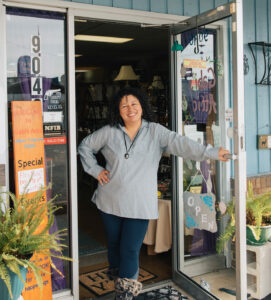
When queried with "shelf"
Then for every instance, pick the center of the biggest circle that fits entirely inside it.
(261, 44)
(264, 78)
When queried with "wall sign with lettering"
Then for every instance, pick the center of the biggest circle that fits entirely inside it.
(199, 210)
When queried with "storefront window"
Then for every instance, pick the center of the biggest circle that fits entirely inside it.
(36, 72)
(200, 116)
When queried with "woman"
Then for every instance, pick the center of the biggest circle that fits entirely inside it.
(127, 194)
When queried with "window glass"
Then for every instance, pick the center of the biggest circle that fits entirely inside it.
(36, 72)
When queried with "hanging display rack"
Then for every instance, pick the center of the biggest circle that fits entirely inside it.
(264, 79)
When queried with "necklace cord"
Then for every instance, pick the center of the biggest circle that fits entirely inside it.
(127, 151)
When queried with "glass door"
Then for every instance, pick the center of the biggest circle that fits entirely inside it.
(207, 110)
(36, 71)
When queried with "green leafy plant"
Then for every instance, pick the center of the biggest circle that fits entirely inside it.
(20, 237)
(258, 214)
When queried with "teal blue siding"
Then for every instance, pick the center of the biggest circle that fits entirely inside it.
(83, 1)
(191, 7)
(141, 5)
(103, 2)
(205, 5)
(250, 92)
(122, 3)
(262, 91)
(159, 6)
(257, 27)
(175, 7)
(220, 2)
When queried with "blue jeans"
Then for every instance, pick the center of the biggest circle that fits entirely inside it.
(124, 237)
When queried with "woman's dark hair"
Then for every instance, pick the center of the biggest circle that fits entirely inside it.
(114, 112)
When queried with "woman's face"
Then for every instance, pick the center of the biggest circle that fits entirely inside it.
(130, 110)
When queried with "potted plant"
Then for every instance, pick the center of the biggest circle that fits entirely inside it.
(21, 237)
(258, 219)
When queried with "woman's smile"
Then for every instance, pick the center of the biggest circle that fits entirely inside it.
(130, 109)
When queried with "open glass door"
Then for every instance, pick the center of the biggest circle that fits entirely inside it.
(209, 109)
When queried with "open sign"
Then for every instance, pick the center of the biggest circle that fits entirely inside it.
(200, 211)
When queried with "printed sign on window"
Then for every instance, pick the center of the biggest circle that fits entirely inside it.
(29, 172)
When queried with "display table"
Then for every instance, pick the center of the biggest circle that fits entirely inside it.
(159, 234)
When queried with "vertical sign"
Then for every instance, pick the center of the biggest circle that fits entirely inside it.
(36, 80)
(29, 167)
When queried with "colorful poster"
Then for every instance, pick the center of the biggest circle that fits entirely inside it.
(29, 168)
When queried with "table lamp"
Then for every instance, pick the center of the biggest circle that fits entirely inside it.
(126, 73)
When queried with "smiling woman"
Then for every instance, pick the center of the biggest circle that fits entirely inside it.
(127, 194)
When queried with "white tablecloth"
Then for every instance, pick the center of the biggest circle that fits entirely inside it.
(159, 232)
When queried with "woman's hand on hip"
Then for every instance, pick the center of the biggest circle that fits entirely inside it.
(103, 177)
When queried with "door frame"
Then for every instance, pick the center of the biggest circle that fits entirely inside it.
(73, 10)
(235, 10)
(4, 156)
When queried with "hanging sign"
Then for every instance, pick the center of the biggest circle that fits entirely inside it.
(200, 211)
(29, 169)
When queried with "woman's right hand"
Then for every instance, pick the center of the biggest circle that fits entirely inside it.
(103, 177)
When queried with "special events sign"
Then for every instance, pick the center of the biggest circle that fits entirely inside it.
(29, 168)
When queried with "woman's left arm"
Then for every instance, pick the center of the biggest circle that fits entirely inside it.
(176, 144)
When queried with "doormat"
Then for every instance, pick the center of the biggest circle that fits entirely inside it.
(164, 293)
(97, 282)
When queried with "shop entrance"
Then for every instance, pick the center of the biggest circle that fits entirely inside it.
(140, 58)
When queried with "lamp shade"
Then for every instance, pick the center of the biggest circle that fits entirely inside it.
(126, 73)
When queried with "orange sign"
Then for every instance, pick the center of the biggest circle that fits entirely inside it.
(29, 168)
(194, 63)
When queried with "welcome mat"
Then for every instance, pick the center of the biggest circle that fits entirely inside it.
(164, 293)
(97, 282)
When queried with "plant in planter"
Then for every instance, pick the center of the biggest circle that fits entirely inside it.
(21, 237)
(258, 219)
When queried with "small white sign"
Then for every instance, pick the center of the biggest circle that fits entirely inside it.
(30, 181)
(52, 117)
(229, 114)
(269, 141)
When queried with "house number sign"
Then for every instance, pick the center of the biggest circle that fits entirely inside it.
(36, 79)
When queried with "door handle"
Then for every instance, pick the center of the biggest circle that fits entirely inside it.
(230, 156)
